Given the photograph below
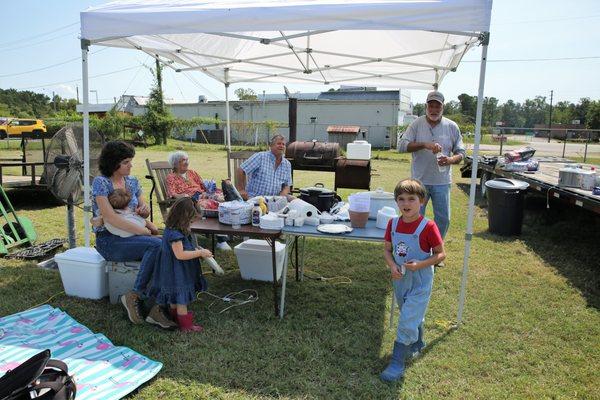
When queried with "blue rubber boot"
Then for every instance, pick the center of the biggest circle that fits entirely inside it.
(419, 345)
(395, 370)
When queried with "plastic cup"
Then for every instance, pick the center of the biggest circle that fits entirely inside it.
(441, 168)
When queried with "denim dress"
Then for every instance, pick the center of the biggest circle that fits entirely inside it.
(176, 281)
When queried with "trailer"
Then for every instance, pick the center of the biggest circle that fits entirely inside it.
(543, 181)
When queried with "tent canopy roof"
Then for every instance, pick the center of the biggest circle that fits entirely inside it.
(393, 43)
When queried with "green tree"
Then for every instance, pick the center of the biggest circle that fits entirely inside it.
(245, 94)
(157, 121)
(510, 114)
(468, 105)
(489, 111)
(592, 116)
(419, 109)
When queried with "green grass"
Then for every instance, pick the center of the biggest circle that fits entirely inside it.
(531, 324)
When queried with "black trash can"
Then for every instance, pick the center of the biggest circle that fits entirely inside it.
(505, 205)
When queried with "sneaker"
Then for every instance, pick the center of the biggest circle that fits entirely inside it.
(224, 246)
(158, 316)
(132, 303)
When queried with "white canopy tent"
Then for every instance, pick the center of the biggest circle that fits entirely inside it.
(391, 43)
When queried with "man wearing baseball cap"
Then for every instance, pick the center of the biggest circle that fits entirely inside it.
(435, 143)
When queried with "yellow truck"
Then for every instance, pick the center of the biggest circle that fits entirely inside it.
(18, 126)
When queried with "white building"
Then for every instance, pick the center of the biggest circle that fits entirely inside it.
(374, 111)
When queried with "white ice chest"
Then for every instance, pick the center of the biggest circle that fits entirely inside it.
(83, 273)
(358, 150)
(254, 259)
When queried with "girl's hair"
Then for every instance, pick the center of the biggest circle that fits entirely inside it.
(175, 157)
(119, 199)
(111, 156)
(410, 186)
(181, 214)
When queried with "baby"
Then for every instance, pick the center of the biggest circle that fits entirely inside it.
(119, 200)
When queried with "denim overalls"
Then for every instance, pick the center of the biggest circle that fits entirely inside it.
(413, 290)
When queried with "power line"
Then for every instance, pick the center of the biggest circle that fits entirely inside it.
(38, 43)
(38, 35)
(78, 80)
(50, 66)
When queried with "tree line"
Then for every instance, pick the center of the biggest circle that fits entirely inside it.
(520, 115)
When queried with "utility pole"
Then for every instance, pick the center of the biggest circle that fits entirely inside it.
(54, 101)
(77, 89)
(550, 120)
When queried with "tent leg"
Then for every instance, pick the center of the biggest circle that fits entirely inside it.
(469, 233)
(228, 126)
(86, 141)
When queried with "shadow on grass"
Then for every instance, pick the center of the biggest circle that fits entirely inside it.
(327, 346)
(566, 237)
(27, 199)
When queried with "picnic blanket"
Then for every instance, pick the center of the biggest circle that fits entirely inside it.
(101, 369)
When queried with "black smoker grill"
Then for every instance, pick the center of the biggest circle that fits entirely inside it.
(319, 156)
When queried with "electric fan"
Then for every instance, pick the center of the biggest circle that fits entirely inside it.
(63, 168)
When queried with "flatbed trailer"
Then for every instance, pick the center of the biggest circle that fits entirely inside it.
(543, 181)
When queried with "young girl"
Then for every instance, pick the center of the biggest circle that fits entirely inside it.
(177, 276)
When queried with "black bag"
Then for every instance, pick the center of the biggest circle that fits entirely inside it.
(38, 378)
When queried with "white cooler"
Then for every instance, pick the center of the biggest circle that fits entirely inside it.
(83, 273)
(358, 150)
(254, 259)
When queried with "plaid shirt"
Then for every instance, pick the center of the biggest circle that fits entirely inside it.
(263, 178)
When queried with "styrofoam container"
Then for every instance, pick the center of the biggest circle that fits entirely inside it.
(83, 273)
(358, 150)
(121, 278)
(254, 259)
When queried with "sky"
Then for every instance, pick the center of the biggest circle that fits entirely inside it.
(536, 46)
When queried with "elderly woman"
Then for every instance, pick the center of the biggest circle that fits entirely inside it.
(184, 181)
(115, 169)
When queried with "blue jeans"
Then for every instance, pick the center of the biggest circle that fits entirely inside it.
(134, 248)
(440, 197)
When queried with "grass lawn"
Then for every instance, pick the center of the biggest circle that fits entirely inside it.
(531, 324)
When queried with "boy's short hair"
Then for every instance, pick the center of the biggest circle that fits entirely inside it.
(119, 199)
(410, 186)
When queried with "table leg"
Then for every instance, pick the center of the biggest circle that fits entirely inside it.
(274, 264)
(288, 243)
(212, 236)
(302, 258)
(296, 256)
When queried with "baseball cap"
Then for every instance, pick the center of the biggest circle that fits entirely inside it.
(435, 95)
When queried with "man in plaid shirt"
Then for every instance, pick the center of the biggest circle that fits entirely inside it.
(268, 172)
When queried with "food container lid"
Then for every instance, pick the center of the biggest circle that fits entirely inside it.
(380, 194)
(507, 184)
(81, 254)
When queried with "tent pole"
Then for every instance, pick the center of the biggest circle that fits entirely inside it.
(228, 126)
(469, 234)
(86, 141)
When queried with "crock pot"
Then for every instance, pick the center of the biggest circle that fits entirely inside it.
(319, 197)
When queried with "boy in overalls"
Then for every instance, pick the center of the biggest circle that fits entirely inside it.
(413, 244)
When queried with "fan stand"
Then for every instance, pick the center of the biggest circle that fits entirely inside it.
(71, 223)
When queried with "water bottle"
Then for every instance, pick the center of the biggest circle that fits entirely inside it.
(256, 213)
(235, 219)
